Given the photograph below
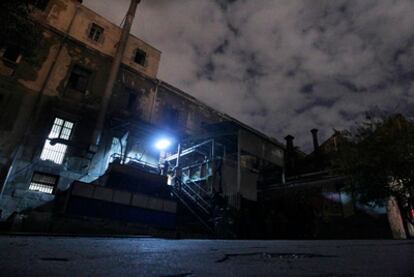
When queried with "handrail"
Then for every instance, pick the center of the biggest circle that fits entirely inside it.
(200, 219)
(187, 151)
(195, 201)
(204, 204)
(117, 155)
(195, 193)
(195, 184)
(196, 165)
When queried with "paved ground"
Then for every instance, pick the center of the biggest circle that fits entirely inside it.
(55, 256)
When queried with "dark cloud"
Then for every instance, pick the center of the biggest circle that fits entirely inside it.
(283, 66)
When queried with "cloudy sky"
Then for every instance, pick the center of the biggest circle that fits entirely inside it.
(283, 66)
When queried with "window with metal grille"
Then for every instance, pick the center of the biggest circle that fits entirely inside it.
(61, 129)
(43, 182)
(95, 32)
(140, 57)
(79, 78)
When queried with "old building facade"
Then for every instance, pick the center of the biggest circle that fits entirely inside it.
(49, 110)
(232, 179)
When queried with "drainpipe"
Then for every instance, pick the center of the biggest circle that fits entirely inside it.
(97, 133)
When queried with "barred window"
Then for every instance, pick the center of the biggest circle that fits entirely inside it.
(43, 182)
(61, 129)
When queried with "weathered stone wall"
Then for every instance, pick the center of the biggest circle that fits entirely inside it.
(65, 17)
(139, 100)
(192, 114)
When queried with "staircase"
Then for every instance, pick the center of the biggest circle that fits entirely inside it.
(202, 215)
(193, 181)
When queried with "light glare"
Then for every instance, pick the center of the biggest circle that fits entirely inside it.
(162, 144)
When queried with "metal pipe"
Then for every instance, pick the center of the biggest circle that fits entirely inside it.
(177, 164)
(97, 133)
(187, 151)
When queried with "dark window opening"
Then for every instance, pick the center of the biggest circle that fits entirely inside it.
(1, 99)
(79, 79)
(132, 100)
(43, 182)
(95, 32)
(171, 116)
(12, 54)
(140, 57)
(41, 4)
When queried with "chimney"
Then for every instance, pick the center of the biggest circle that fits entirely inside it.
(315, 139)
(289, 142)
(290, 155)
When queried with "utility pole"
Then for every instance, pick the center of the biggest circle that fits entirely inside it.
(97, 133)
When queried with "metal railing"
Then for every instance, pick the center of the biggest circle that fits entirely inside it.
(124, 159)
(198, 199)
(183, 200)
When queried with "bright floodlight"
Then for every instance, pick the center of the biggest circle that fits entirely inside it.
(162, 144)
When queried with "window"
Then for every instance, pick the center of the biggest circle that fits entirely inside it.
(171, 116)
(95, 32)
(41, 4)
(132, 100)
(61, 129)
(79, 79)
(140, 57)
(43, 182)
(12, 54)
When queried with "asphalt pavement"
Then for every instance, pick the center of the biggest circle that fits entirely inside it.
(106, 256)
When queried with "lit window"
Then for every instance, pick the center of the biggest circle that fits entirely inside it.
(43, 182)
(61, 129)
(79, 79)
(140, 57)
(95, 32)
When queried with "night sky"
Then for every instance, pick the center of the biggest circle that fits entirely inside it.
(287, 66)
